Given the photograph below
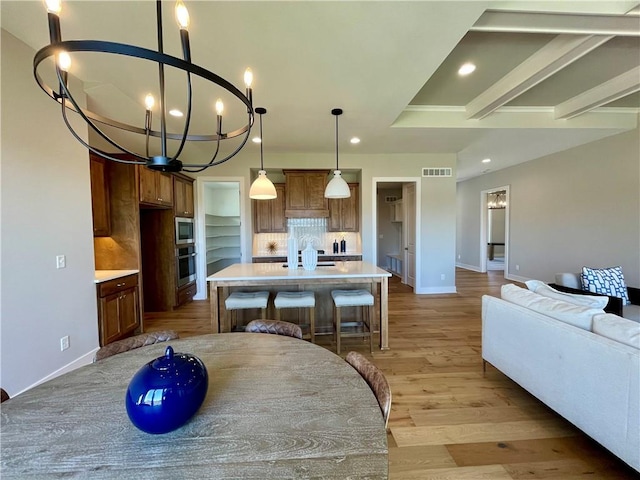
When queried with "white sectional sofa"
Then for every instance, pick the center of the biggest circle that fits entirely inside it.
(591, 380)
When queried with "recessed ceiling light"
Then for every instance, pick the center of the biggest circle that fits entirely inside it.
(486, 160)
(175, 112)
(355, 140)
(466, 69)
(256, 140)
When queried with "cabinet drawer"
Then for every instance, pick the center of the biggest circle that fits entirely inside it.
(117, 285)
(185, 294)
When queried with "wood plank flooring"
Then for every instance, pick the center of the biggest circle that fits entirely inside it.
(448, 420)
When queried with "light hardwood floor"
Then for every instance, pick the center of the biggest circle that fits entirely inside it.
(448, 420)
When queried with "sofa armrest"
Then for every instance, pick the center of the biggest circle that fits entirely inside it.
(613, 306)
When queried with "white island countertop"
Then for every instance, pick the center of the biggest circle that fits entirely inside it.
(106, 275)
(276, 271)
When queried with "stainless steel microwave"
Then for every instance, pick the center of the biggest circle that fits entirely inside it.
(185, 230)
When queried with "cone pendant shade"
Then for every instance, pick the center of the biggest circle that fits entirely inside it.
(337, 187)
(262, 188)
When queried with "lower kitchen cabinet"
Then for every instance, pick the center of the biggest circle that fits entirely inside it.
(118, 308)
(185, 293)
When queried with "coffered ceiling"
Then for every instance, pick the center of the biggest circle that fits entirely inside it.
(550, 75)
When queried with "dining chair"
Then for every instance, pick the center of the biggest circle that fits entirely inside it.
(276, 327)
(4, 396)
(137, 341)
(376, 381)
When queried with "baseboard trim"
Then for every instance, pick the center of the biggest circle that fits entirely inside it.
(85, 359)
(516, 278)
(473, 268)
(435, 290)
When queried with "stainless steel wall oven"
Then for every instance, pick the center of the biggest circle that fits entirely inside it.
(185, 264)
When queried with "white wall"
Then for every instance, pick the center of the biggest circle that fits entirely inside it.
(45, 211)
(567, 210)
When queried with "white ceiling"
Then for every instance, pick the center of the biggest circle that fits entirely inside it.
(390, 65)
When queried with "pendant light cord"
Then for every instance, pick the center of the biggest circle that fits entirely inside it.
(261, 142)
(337, 168)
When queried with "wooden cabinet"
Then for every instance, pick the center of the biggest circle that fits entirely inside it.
(305, 194)
(185, 294)
(183, 197)
(118, 308)
(100, 197)
(156, 188)
(269, 214)
(344, 213)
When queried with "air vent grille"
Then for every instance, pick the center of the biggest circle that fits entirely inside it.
(437, 172)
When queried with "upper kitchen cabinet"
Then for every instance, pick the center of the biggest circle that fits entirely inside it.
(100, 197)
(344, 213)
(183, 196)
(305, 194)
(156, 188)
(269, 214)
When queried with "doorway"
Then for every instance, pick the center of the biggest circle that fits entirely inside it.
(494, 229)
(220, 235)
(396, 221)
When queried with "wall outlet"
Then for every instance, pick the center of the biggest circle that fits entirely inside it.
(459, 256)
(442, 277)
(64, 343)
(61, 261)
(517, 267)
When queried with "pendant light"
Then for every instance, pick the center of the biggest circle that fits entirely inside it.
(262, 188)
(337, 187)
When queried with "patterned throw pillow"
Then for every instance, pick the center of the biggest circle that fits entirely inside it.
(606, 281)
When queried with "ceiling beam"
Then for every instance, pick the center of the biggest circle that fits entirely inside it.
(558, 23)
(618, 87)
(554, 56)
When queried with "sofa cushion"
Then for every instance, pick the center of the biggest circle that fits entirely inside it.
(545, 290)
(606, 281)
(560, 310)
(617, 328)
(570, 280)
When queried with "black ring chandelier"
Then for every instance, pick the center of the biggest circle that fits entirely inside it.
(163, 162)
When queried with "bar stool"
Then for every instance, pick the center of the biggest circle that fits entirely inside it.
(352, 298)
(303, 299)
(245, 300)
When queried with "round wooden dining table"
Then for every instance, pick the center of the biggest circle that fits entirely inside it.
(276, 408)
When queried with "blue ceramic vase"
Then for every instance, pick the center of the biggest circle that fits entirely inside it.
(166, 392)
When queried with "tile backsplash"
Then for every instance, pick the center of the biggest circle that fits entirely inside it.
(306, 230)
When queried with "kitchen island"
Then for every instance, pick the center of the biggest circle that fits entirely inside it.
(274, 276)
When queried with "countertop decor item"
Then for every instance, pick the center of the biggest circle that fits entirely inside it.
(309, 257)
(160, 159)
(272, 247)
(166, 392)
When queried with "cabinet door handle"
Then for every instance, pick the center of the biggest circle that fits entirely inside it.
(121, 284)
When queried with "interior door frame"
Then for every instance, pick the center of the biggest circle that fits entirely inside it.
(484, 221)
(374, 220)
(201, 242)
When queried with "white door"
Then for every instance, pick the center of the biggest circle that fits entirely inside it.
(409, 201)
